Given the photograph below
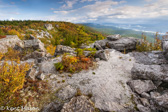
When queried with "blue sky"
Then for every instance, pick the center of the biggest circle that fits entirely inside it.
(93, 11)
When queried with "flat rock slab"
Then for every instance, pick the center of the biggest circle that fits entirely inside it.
(107, 83)
(149, 58)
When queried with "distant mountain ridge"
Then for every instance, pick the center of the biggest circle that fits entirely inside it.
(109, 29)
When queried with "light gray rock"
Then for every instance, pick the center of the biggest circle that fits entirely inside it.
(97, 46)
(149, 58)
(40, 76)
(63, 95)
(145, 95)
(102, 43)
(103, 55)
(87, 46)
(113, 37)
(32, 73)
(48, 26)
(79, 104)
(141, 108)
(48, 66)
(140, 86)
(10, 41)
(34, 55)
(86, 53)
(124, 43)
(145, 102)
(60, 49)
(161, 100)
(107, 83)
(35, 44)
(66, 93)
(52, 107)
(150, 72)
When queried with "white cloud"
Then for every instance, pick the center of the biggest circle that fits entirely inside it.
(69, 4)
(110, 9)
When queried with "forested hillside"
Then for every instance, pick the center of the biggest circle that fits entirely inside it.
(62, 33)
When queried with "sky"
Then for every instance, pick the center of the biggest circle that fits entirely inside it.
(87, 11)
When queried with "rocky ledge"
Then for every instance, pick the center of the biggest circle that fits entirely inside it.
(133, 82)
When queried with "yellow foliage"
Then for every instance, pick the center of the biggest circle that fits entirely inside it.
(51, 49)
(1, 56)
(12, 78)
(74, 64)
(13, 32)
(12, 54)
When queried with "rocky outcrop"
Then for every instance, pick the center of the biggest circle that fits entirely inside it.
(103, 55)
(127, 44)
(114, 37)
(141, 86)
(79, 104)
(150, 75)
(106, 84)
(34, 44)
(117, 43)
(150, 72)
(48, 65)
(149, 58)
(48, 26)
(60, 49)
(10, 41)
(34, 55)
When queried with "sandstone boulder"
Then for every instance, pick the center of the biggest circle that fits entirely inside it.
(10, 41)
(122, 44)
(48, 26)
(103, 55)
(35, 44)
(48, 66)
(140, 86)
(60, 49)
(149, 58)
(113, 37)
(150, 72)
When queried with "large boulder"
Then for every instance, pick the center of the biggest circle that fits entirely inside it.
(10, 41)
(35, 44)
(150, 72)
(149, 58)
(101, 44)
(48, 66)
(79, 104)
(60, 49)
(123, 44)
(141, 86)
(103, 55)
(48, 26)
(113, 37)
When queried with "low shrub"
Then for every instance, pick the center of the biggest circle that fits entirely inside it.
(73, 64)
(80, 52)
(51, 49)
(12, 78)
(147, 46)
